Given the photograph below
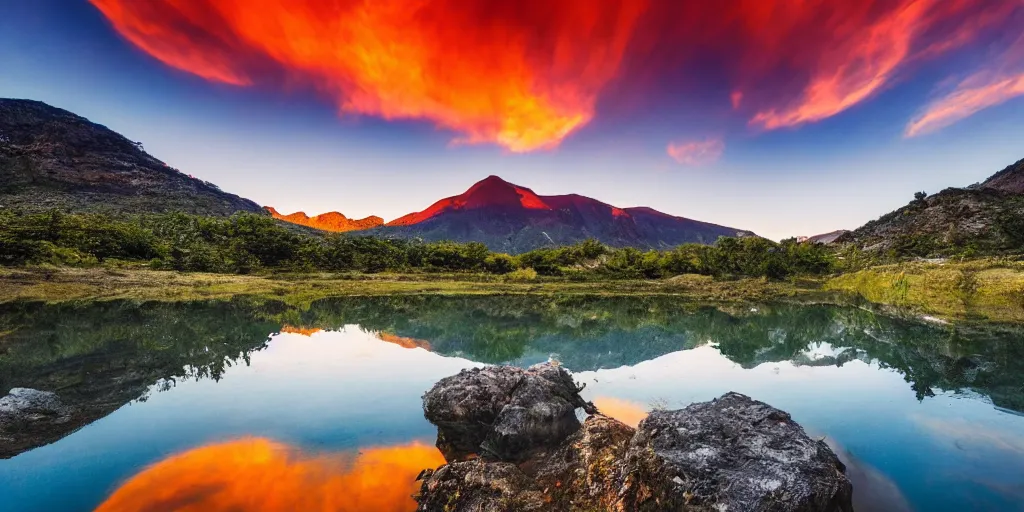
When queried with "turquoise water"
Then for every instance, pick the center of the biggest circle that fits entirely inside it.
(929, 415)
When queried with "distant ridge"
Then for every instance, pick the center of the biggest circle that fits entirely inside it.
(51, 158)
(330, 221)
(511, 218)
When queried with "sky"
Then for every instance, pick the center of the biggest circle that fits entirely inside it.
(783, 117)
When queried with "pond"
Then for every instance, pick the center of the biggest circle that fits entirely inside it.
(928, 416)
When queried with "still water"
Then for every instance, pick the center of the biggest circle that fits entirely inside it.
(929, 415)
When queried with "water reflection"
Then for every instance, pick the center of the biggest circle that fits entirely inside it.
(899, 396)
(259, 475)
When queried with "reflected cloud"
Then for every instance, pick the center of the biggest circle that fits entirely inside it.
(969, 436)
(630, 413)
(258, 474)
(402, 341)
(304, 331)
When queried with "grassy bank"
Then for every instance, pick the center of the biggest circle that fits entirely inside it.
(987, 290)
(55, 284)
(981, 290)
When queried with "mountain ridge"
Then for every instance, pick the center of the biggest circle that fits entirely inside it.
(335, 222)
(52, 158)
(512, 218)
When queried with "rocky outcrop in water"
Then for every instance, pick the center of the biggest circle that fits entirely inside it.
(503, 413)
(512, 445)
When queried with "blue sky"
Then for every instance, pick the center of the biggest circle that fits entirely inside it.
(282, 142)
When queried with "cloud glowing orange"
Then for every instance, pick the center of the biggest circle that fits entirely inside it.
(525, 74)
(999, 82)
(860, 47)
(520, 74)
(259, 475)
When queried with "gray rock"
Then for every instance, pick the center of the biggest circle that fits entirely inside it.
(503, 413)
(730, 454)
(733, 453)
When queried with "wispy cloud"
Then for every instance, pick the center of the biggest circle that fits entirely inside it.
(696, 152)
(992, 85)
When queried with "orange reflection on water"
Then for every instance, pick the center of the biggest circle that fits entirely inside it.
(403, 341)
(625, 411)
(260, 475)
(305, 331)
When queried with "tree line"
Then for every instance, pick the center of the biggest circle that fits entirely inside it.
(247, 243)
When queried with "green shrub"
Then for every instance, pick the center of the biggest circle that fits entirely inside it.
(521, 275)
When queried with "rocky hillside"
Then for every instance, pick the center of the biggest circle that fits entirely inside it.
(986, 218)
(330, 221)
(51, 158)
(514, 219)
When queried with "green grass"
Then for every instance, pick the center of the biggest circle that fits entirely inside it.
(986, 290)
(55, 284)
(980, 290)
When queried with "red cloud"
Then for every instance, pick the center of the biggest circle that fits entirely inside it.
(526, 74)
(701, 152)
(520, 74)
(1002, 80)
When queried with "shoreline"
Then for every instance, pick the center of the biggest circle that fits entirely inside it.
(990, 292)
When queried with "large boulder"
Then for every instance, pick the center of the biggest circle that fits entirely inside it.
(513, 442)
(503, 413)
(732, 453)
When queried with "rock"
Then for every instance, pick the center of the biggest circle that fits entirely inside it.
(479, 486)
(730, 454)
(503, 413)
(583, 473)
(733, 453)
(26, 414)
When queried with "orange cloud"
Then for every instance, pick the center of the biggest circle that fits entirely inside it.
(995, 84)
(863, 51)
(700, 152)
(523, 75)
(259, 475)
(630, 413)
(526, 74)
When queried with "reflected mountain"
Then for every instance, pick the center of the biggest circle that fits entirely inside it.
(99, 356)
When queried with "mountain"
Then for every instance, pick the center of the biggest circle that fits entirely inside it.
(514, 219)
(985, 218)
(51, 158)
(824, 238)
(331, 221)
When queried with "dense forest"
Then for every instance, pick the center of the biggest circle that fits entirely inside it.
(251, 243)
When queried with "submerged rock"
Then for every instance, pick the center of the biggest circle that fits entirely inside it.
(503, 413)
(732, 453)
(28, 414)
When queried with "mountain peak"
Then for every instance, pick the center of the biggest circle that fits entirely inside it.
(490, 192)
(1010, 179)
